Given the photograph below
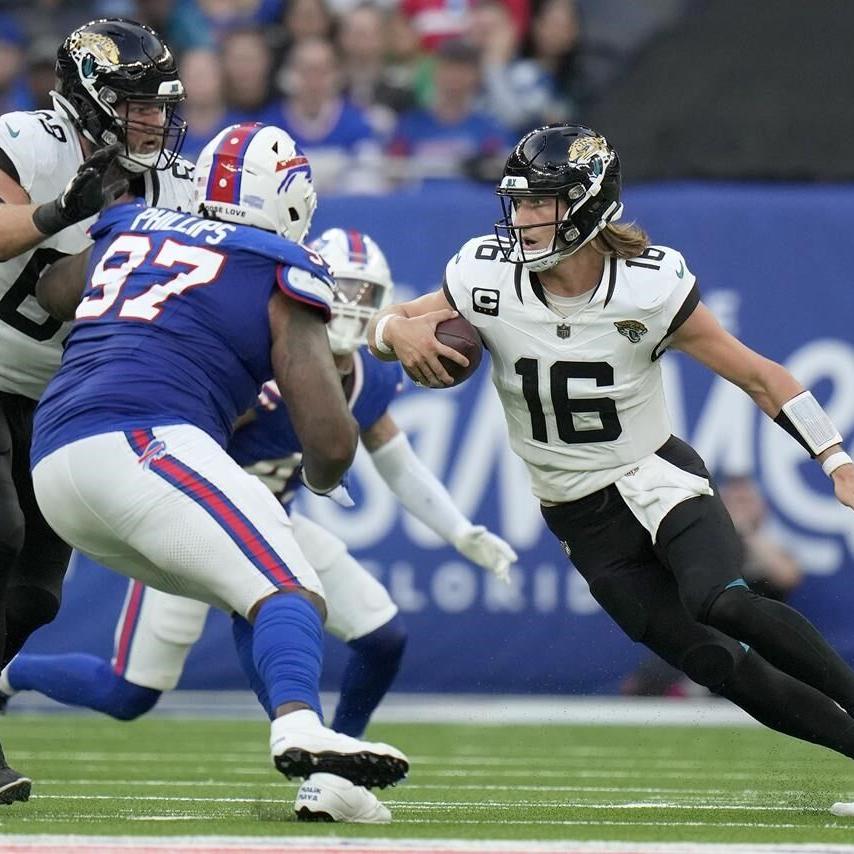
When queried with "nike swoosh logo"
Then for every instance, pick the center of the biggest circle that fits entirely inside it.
(12, 133)
(681, 271)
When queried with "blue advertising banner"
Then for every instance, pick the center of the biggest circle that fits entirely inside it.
(771, 264)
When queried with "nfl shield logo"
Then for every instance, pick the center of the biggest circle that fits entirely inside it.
(563, 330)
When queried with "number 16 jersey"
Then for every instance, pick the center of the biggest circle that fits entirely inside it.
(582, 393)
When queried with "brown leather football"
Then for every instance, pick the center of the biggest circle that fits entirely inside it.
(459, 334)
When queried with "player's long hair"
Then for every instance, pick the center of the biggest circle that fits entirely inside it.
(622, 240)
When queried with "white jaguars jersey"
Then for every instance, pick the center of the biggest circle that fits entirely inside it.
(583, 395)
(45, 150)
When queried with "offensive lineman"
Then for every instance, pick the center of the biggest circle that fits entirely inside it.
(576, 311)
(113, 125)
(156, 630)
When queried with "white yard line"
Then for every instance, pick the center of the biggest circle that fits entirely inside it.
(407, 804)
(54, 844)
(477, 709)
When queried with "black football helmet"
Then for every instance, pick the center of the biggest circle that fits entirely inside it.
(108, 64)
(572, 164)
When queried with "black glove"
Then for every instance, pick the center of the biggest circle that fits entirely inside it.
(85, 194)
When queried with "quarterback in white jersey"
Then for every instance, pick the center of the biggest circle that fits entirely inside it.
(579, 380)
(576, 310)
(113, 130)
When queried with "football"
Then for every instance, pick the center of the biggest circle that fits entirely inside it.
(459, 334)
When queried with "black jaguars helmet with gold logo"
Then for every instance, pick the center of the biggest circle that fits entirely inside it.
(573, 165)
(105, 67)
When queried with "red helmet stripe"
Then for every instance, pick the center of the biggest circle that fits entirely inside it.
(356, 247)
(226, 172)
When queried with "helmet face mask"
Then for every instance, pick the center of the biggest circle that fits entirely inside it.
(362, 285)
(577, 168)
(254, 174)
(118, 82)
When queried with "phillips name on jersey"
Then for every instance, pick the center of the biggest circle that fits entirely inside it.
(582, 394)
(44, 149)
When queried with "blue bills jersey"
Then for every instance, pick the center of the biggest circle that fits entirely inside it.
(369, 390)
(173, 326)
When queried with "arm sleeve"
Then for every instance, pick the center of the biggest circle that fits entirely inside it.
(418, 489)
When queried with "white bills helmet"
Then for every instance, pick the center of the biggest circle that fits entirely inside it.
(254, 174)
(362, 286)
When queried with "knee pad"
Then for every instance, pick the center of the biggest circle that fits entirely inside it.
(127, 701)
(616, 596)
(710, 663)
(729, 608)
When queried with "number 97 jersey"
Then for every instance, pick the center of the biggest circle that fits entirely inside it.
(580, 385)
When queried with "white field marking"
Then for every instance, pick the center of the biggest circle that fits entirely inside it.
(165, 818)
(590, 805)
(486, 761)
(476, 709)
(432, 805)
(174, 798)
(176, 758)
(702, 772)
(524, 764)
(624, 824)
(563, 774)
(412, 787)
(15, 844)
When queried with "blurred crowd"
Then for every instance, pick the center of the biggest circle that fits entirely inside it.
(378, 93)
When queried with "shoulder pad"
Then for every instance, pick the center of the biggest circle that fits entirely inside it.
(654, 276)
(277, 248)
(302, 285)
(30, 140)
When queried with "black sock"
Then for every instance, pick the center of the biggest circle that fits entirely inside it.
(786, 639)
(27, 609)
(783, 703)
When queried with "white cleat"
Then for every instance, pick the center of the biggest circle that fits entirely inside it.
(327, 797)
(301, 746)
(843, 809)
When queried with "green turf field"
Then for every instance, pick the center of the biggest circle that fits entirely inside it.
(175, 777)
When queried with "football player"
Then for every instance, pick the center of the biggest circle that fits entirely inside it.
(576, 310)
(182, 318)
(156, 630)
(113, 126)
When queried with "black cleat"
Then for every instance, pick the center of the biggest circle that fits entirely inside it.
(13, 786)
(366, 768)
(301, 746)
(305, 814)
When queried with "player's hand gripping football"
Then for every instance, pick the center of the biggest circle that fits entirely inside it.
(487, 550)
(414, 342)
(86, 193)
(843, 484)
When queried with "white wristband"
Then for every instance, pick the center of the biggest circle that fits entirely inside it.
(834, 461)
(379, 341)
(811, 422)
